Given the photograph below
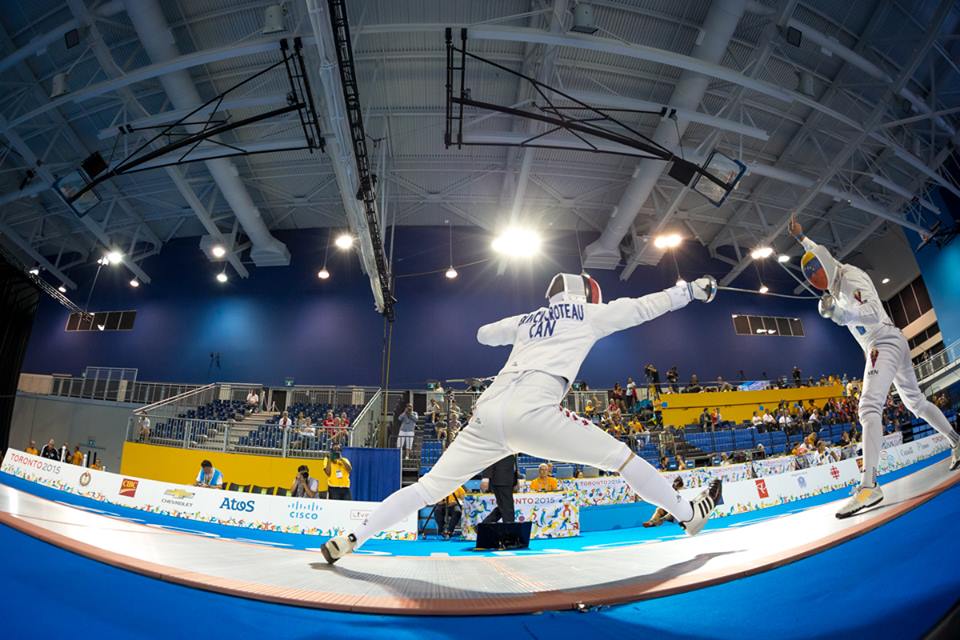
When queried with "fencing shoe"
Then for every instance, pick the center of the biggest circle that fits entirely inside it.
(335, 548)
(703, 505)
(955, 458)
(863, 498)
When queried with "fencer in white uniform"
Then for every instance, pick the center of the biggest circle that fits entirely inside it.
(521, 411)
(852, 301)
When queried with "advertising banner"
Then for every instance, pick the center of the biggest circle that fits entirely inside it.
(255, 511)
(554, 514)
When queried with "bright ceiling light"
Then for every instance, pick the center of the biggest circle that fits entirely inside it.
(62, 289)
(114, 257)
(667, 241)
(134, 283)
(783, 258)
(451, 273)
(101, 327)
(761, 330)
(344, 241)
(218, 251)
(323, 274)
(885, 281)
(763, 288)
(761, 252)
(517, 243)
(35, 271)
(222, 277)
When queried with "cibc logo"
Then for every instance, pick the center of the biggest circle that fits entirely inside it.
(232, 504)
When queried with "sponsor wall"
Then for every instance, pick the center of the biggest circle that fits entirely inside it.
(554, 514)
(263, 512)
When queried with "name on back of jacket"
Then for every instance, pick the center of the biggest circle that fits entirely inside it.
(544, 321)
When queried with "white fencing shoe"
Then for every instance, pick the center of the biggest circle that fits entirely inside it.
(703, 505)
(335, 548)
(864, 498)
(955, 458)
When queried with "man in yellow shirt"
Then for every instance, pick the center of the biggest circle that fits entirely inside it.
(32, 449)
(338, 471)
(544, 481)
(449, 511)
(77, 457)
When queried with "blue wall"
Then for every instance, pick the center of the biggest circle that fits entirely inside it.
(941, 269)
(286, 322)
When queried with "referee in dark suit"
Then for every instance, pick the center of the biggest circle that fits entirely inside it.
(503, 476)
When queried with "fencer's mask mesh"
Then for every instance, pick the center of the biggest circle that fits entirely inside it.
(575, 288)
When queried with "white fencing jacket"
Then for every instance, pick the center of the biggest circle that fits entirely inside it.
(555, 339)
(858, 304)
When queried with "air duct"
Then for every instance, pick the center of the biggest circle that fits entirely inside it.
(151, 26)
(718, 28)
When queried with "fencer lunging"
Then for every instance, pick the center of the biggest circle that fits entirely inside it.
(521, 412)
(851, 300)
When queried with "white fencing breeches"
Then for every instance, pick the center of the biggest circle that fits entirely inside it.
(888, 361)
(521, 412)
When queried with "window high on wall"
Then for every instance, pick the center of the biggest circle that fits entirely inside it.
(908, 304)
(101, 321)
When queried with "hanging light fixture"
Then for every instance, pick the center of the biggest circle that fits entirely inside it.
(323, 274)
(451, 272)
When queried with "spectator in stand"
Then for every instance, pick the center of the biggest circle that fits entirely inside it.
(96, 464)
(664, 463)
(694, 385)
(435, 412)
(715, 418)
(285, 422)
(209, 476)
(32, 448)
(723, 385)
(761, 452)
(705, 419)
(77, 457)
(337, 469)
(756, 421)
(50, 451)
(724, 459)
(590, 407)
(673, 377)
(408, 426)
(681, 463)
(303, 485)
(797, 376)
(544, 481)
(449, 512)
(768, 420)
(143, 429)
(617, 396)
(660, 515)
(630, 395)
(653, 378)
(253, 401)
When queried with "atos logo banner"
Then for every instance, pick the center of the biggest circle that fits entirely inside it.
(128, 487)
(762, 489)
(232, 504)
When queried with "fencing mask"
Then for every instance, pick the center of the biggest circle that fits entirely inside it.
(576, 288)
(814, 271)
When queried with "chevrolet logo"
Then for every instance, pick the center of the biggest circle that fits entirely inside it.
(178, 493)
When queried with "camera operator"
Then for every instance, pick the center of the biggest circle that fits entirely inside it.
(337, 469)
(303, 485)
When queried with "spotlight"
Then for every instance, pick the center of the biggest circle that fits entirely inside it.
(761, 252)
(668, 241)
(34, 271)
(134, 283)
(323, 274)
(783, 258)
(101, 327)
(218, 251)
(763, 288)
(222, 276)
(344, 241)
(114, 257)
(62, 289)
(451, 273)
(885, 281)
(517, 242)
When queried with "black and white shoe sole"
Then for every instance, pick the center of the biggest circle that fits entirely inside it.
(326, 555)
(841, 516)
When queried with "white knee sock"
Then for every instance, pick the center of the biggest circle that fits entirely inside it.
(929, 412)
(654, 488)
(391, 511)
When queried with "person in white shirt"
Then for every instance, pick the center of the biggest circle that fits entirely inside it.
(253, 401)
(851, 300)
(756, 420)
(408, 426)
(285, 421)
(768, 419)
(521, 410)
(144, 428)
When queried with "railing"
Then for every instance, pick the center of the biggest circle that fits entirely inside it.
(939, 363)
(363, 430)
(101, 388)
